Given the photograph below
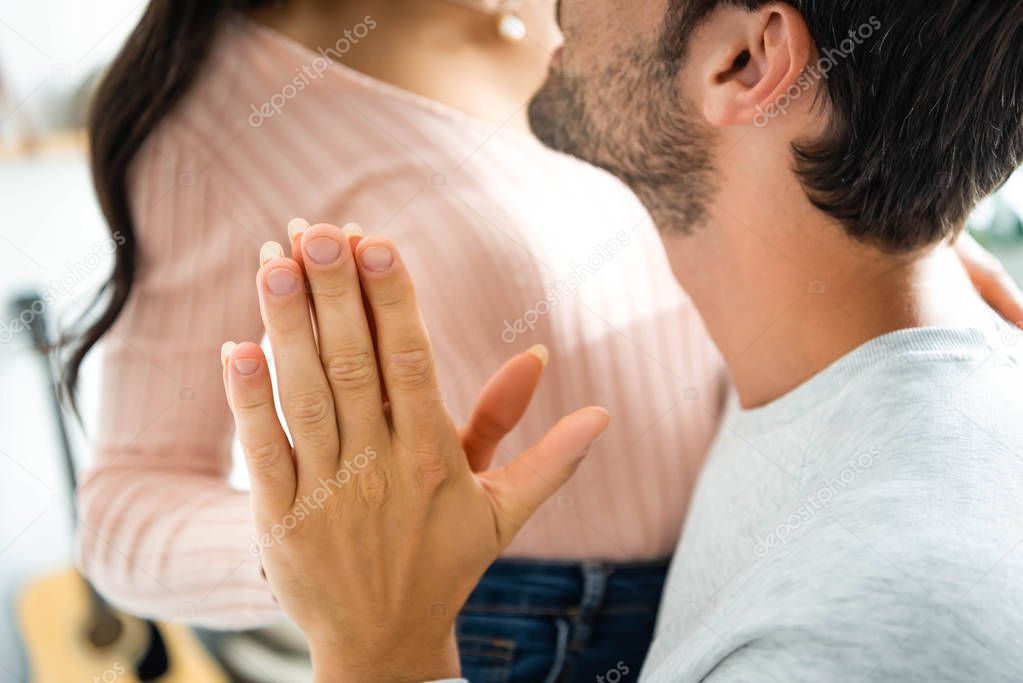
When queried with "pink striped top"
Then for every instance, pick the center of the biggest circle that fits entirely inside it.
(510, 245)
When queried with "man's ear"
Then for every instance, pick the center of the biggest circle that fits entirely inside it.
(754, 58)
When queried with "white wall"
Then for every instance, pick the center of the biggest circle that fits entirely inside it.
(49, 226)
(48, 48)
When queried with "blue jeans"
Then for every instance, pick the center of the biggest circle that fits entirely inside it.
(560, 622)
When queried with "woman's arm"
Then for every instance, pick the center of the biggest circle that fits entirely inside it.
(161, 533)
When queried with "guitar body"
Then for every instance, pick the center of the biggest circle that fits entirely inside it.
(58, 614)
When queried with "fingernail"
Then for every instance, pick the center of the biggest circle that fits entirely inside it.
(322, 250)
(226, 350)
(540, 351)
(246, 366)
(352, 230)
(377, 258)
(270, 251)
(281, 281)
(296, 226)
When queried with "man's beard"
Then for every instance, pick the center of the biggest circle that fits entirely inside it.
(631, 121)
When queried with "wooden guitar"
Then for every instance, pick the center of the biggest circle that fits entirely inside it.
(71, 634)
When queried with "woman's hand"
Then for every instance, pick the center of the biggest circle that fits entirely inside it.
(374, 526)
(993, 283)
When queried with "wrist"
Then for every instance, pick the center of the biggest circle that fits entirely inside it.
(411, 661)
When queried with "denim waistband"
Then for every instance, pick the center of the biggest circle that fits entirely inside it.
(535, 587)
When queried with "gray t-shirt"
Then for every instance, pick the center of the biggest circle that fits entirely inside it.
(866, 526)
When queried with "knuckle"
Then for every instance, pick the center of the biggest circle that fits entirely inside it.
(373, 487)
(411, 369)
(312, 408)
(328, 289)
(431, 472)
(335, 512)
(246, 402)
(392, 299)
(396, 294)
(264, 456)
(289, 317)
(350, 369)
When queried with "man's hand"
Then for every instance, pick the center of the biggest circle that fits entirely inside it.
(375, 527)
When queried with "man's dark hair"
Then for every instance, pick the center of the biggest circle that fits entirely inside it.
(926, 114)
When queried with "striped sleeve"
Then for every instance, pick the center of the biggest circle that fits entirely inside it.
(161, 533)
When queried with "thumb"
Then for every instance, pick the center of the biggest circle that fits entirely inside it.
(501, 405)
(517, 489)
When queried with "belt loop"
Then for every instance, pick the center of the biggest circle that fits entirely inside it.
(594, 591)
(594, 586)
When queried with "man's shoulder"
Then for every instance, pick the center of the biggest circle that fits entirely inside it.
(933, 420)
(904, 577)
(897, 551)
(933, 488)
(911, 545)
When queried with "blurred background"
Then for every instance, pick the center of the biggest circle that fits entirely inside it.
(51, 52)
(53, 244)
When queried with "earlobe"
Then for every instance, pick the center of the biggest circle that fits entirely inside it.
(767, 52)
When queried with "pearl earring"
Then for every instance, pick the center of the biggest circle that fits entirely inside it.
(509, 24)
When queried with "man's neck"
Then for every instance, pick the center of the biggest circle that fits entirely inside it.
(785, 299)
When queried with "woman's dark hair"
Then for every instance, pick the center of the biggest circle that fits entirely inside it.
(155, 68)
